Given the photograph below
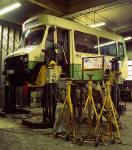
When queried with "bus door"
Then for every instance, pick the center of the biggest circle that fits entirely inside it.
(63, 52)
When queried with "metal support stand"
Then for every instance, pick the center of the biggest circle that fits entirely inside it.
(111, 112)
(89, 103)
(70, 124)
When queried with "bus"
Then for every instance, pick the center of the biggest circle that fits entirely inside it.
(76, 42)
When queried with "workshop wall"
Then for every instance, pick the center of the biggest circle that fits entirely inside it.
(9, 41)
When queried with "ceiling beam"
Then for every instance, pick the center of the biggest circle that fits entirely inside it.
(62, 7)
(53, 6)
(85, 4)
(125, 31)
(88, 7)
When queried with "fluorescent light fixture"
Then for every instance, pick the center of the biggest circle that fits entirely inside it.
(129, 78)
(127, 38)
(129, 68)
(129, 73)
(9, 8)
(108, 43)
(27, 33)
(105, 44)
(97, 25)
(129, 62)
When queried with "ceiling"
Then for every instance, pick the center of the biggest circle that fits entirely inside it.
(117, 14)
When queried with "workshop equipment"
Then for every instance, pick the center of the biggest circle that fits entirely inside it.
(111, 112)
(89, 103)
(70, 124)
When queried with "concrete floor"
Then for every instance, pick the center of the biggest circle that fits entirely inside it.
(15, 136)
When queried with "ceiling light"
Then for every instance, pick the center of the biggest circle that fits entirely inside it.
(130, 62)
(105, 44)
(127, 38)
(97, 25)
(9, 8)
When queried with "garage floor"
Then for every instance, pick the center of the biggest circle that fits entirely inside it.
(15, 136)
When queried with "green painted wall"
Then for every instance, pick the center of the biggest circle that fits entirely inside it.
(9, 41)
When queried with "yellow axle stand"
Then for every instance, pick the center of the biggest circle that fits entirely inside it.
(111, 113)
(89, 103)
(70, 124)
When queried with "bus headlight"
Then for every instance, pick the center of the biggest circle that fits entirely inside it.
(24, 58)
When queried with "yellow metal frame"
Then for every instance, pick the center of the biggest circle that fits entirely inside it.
(41, 78)
(89, 103)
(70, 115)
(111, 111)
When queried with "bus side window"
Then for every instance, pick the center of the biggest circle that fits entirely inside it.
(120, 50)
(107, 47)
(85, 43)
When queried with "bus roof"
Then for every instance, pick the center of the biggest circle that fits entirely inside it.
(45, 19)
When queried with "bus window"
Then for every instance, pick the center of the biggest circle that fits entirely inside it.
(107, 47)
(120, 50)
(85, 43)
(32, 37)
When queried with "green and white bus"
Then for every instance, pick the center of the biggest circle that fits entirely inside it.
(76, 42)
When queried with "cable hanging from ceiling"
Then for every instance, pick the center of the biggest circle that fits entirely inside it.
(103, 7)
(96, 10)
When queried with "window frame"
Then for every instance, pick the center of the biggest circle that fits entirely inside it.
(123, 49)
(83, 51)
(111, 41)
